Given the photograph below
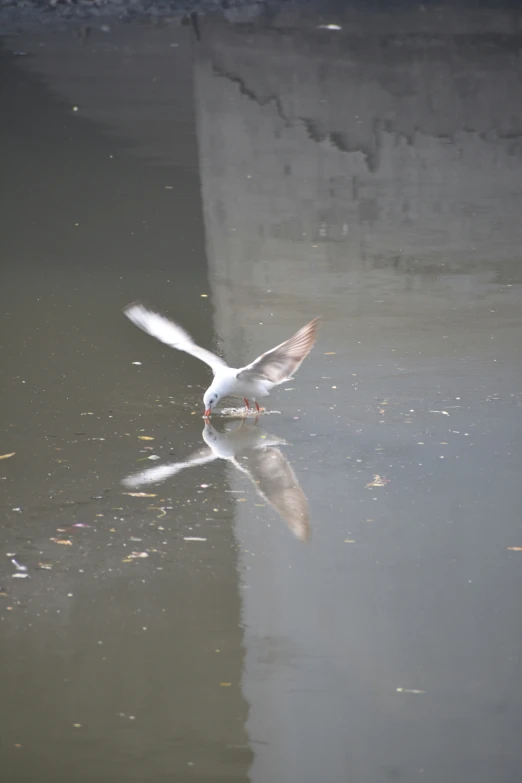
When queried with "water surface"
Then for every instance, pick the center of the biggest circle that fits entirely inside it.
(244, 183)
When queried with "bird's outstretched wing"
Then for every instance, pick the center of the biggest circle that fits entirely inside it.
(284, 360)
(170, 333)
(275, 481)
(162, 472)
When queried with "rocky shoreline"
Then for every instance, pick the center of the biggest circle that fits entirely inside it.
(18, 15)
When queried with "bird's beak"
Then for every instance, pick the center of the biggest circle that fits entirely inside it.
(207, 413)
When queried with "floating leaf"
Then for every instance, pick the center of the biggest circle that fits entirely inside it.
(330, 353)
(6, 456)
(145, 437)
(63, 541)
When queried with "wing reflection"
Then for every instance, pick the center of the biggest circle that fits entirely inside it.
(255, 453)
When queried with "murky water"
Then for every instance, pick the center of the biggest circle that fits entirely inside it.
(329, 594)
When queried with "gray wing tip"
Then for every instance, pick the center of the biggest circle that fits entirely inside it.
(310, 329)
(313, 325)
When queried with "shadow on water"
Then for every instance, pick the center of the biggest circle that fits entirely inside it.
(246, 176)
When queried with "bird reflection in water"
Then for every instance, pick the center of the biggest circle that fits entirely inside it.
(256, 454)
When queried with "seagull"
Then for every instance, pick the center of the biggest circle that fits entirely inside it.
(263, 463)
(251, 382)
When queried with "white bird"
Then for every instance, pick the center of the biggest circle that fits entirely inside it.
(252, 382)
(264, 464)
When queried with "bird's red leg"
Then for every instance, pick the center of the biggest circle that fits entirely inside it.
(246, 403)
(257, 406)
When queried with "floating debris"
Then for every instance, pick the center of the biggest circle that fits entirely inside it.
(138, 363)
(145, 437)
(19, 575)
(62, 541)
(515, 548)
(45, 566)
(408, 690)
(329, 27)
(193, 538)
(444, 413)
(378, 481)
(140, 494)
(6, 456)
(234, 412)
(18, 566)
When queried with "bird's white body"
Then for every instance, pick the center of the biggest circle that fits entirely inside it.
(252, 382)
(227, 384)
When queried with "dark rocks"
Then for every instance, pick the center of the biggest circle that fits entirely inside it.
(17, 15)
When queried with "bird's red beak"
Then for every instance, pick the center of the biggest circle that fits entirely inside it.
(207, 414)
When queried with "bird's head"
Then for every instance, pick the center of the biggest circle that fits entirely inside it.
(210, 399)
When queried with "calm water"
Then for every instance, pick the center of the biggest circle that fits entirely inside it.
(281, 614)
